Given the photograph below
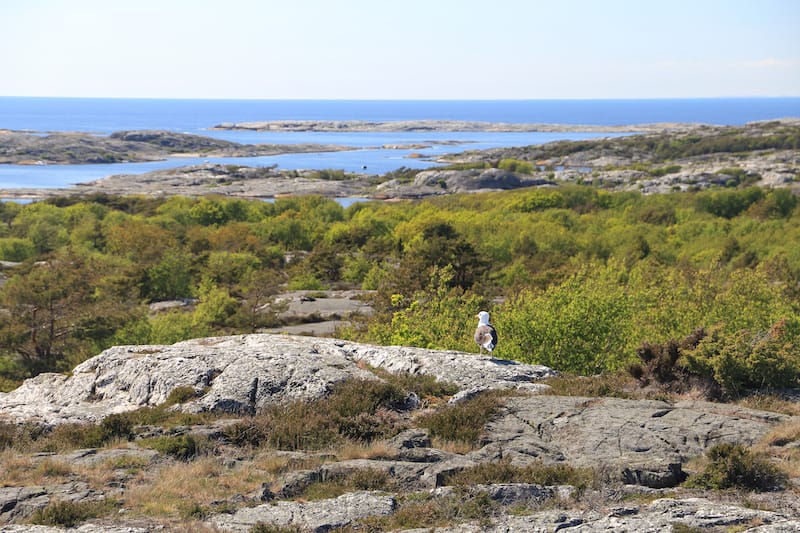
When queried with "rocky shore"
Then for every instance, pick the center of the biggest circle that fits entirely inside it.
(678, 158)
(642, 450)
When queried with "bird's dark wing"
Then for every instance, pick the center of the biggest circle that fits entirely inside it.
(486, 336)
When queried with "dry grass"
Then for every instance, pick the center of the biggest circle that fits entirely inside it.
(362, 450)
(188, 490)
(277, 463)
(771, 402)
(22, 470)
(620, 385)
(781, 445)
(452, 446)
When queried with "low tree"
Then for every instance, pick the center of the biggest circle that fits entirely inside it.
(60, 310)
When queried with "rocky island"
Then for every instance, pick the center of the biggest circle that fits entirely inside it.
(429, 125)
(23, 148)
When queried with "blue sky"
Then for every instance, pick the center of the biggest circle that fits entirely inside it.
(405, 49)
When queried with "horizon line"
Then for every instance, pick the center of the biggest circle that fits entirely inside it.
(311, 99)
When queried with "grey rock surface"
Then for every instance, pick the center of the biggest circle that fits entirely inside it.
(643, 441)
(85, 528)
(18, 503)
(656, 517)
(240, 374)
(318, 516)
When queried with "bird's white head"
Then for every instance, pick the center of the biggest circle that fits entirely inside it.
(483, 318)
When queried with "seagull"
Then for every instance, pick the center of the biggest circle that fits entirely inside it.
(485, 335)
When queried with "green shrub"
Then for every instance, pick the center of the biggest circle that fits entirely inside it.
(659, 362)
(423, 385)
(117, 426)
(180, 394)
(182, 447)
(742, 360)
(734, 466)
(516, 166)
(728, 204)
(539, 473)
(580, 326)
(261, 527)
(336, 485)
(305, 281)
(357, 410)
(70, 514)
(779, 203)
(16, 249)
(463, 421)
(426, 511)
(663, 171)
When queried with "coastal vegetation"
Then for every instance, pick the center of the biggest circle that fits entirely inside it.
(577, 278)
(663, 147)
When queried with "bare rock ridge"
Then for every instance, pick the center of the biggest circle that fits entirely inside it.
(241, 374)
(643, 445)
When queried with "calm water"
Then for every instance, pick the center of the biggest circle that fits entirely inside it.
(104, 115)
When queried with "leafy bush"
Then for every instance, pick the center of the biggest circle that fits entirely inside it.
(16, 249)
(578, 326)
(728, 204)
(517, 166)
(305, 281)
(743, 360)
(435, 318)
(723, 362)
(734, 466)
(779, 203)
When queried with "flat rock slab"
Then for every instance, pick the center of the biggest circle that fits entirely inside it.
(646, 440)
(241, 374)
(317, 516)
(656, 517)
(19, 503)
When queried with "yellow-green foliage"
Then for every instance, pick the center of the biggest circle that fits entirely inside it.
(582, 325)
(585, 275)
(515, 165)
(748, 360)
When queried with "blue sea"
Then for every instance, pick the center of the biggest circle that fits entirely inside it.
(103, 116)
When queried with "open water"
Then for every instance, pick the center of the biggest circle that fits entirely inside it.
(103, 116)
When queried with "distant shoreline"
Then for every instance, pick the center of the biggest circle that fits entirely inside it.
(416, 126)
